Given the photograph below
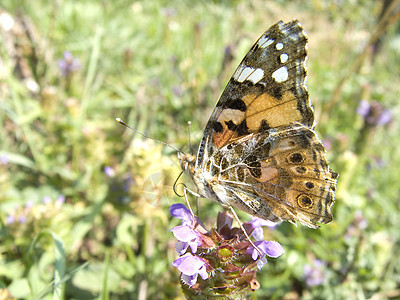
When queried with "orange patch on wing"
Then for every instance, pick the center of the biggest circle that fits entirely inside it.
(268, 174)
(220, 139)
(267, 108)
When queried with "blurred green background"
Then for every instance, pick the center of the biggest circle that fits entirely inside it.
(84, 201)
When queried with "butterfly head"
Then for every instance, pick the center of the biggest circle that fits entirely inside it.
(187, 162)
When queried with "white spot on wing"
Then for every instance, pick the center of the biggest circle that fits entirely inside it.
(256, 76)
(284, 57)
(245, 74)
(264, 42)
(279, 46)
(285, 30)
(281, 74)
(238, 71)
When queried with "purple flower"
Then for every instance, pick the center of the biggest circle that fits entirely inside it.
(256, 227)
(190, 266)
(22, 219)
(128, 182)
(357, 226)
(10, 219)
(314, 274)
(3, 159)
(187, 237)
(327, 143)
(61, 199)
(46, 200)
(110, 172)
(385, 117)
(228, 50)
(359, 220)
(270, 248)
(224, 252)
(180, 211)
(374, 113)
(68, 64)
(363, 108)
(177, 90)
(29, 204)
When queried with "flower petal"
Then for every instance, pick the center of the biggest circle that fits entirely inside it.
(181, 247)
(193, 246)
(273, 249)
(256, 225)
(181, 212)
(261, 262)
(177, 262)
(184, 233)
(270, 248)
(191, 265)
(203, 273)
(255, 254)
(189, 280)
(258, 222)
(258, 234)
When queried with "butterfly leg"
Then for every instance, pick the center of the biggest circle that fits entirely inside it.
(244, 230)
(197, 205)
(185, 192)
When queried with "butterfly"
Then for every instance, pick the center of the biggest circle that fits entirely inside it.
(259, 152)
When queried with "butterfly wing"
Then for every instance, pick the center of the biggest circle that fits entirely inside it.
(259, 152)
(266, 91)
(279, 175)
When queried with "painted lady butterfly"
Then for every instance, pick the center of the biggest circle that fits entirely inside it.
(259, 152)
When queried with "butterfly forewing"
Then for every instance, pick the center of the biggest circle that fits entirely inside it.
(267, 90)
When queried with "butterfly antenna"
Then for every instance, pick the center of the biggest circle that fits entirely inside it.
(190, 140)
(146, 136)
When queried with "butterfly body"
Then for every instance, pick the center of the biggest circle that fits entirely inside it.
(259, 152)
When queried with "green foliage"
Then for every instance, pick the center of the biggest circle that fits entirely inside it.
(84, 202)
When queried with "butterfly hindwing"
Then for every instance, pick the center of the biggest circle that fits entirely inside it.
(282, 174)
